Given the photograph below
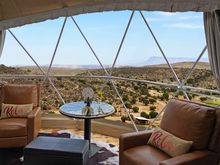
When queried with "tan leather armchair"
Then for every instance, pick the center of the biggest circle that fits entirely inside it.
(184, 119)
(18, 132)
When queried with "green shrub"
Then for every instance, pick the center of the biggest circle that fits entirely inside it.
(128, 105)
(194, 95)
(144, 91)
(116, 109)
(144, 114)
(154, 97)
(152, 101)
(181, 93)
(61, 85)
(110, 102)
(190, 81)
(72, 79)
(133, 101)
(44, 107)
(59, 78)
(153, 108)
(146, 97)
(131, 117)
(161, 98)
(82, 81)
(136, 87)
(203, 98)
(145, 101)
(124, 118)
(125, 98)
(189, 96)
(135, 109)
(207, 93)
(166, 96)
(140, 99)
(172, 90)
(153, 114)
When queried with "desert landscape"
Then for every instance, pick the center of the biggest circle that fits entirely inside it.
(141, 99)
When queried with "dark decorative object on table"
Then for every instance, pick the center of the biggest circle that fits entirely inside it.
(88, 102)
(88, 95)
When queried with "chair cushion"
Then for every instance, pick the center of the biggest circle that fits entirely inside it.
(13, 127)
(189, 121)
(143, 155)
(15, 110)
(169, 143)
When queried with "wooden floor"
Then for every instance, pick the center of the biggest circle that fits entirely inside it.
(101, 126)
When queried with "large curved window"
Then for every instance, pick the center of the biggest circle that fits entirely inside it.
(135, 61)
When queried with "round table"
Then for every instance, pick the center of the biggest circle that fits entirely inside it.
(81, 111)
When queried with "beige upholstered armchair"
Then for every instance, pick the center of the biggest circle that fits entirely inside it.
(18, 132)
(186, 120)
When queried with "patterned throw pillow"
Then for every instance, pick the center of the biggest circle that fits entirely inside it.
(169, 143)
(14, 110)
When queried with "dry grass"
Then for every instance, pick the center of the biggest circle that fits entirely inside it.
(54, 70)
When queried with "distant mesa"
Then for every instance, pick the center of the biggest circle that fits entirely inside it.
(69, 66)
(156, 60)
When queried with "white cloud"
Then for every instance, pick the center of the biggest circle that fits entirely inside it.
(154, 19)
(190, 17)
(99, 28)
(92, 28)
(167, 13)
(185, 26)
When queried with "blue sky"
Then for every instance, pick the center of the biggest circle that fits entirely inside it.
(180, 35)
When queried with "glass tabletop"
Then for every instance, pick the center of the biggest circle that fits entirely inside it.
(80, 110)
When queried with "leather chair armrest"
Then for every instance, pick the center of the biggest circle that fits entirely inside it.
(34, 123)
(192, 158)
(129, 140)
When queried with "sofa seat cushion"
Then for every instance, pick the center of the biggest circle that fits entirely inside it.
(143, 155)
(13, 127)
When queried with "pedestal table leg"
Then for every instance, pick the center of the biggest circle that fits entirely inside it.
(87, 130)
(87, 136)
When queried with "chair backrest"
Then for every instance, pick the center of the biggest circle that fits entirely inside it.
(21, 94)
(190, 121)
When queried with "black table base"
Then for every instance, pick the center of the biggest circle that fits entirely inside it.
(87, 136)
(87, 130)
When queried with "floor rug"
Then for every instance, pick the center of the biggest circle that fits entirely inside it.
(107, 155)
